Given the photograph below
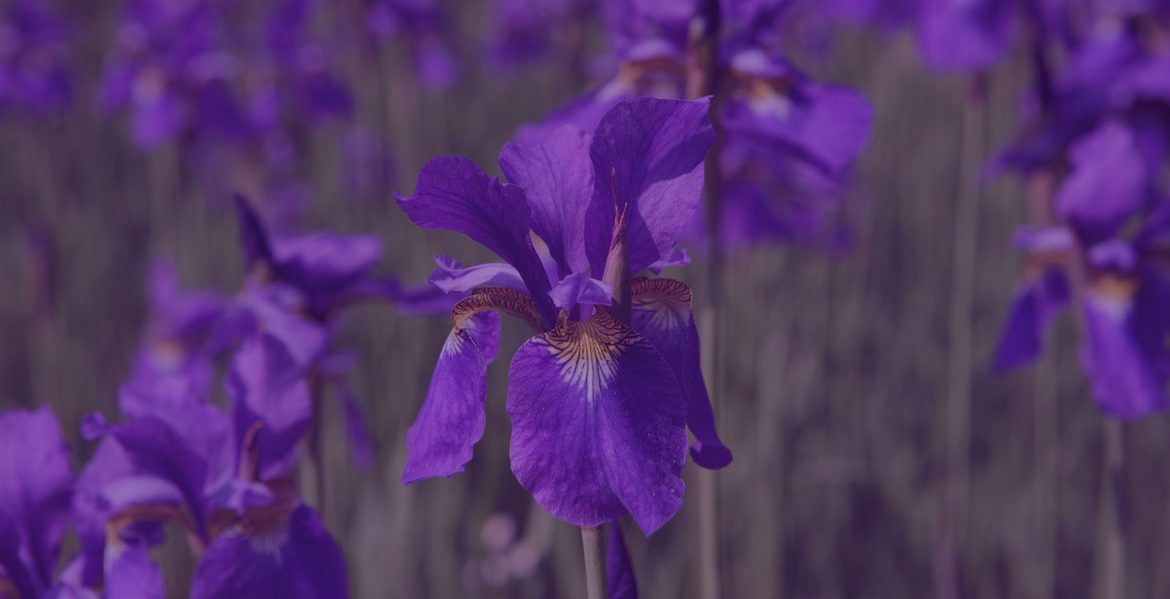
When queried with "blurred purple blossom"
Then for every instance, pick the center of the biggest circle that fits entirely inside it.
(34, 57)
(525, 31)
(36, 485)
(425, 26)
(145, 474)
(789, 141)
(1103, 122)
(614, 361)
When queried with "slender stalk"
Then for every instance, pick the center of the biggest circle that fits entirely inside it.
(1041, 557)
(595, 587)
(315, 445)
(703, 79)
(965, 227)
(1111, 514)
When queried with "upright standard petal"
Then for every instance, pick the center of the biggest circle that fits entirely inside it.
(452, 420)
(557, 177)
(662, 313)
(267, 385)
(278, 551)
(1108, 183)
(648, 156)
(36, 484)
(598, 424)
(455, 195)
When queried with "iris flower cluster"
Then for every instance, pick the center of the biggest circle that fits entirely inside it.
(1099, 130)
(224, 476)
(238, 89)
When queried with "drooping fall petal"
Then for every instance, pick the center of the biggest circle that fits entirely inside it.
(662, 313)
(598, 424)
(275, 551)
(451, 420)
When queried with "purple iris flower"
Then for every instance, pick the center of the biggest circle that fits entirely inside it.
(185, 332)
(601, 396)
(1094, 82)
(1102, 120)
(1123, 279)
(297, 68)
(965, 35)
(952, 35)
(426, 26)
(225, 483)
(790, 147)
(169, 69)
(34, 57)
(298, 289)
(36, 485)
(524, 31)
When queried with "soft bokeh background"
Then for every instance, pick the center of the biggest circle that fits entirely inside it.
(855, 390)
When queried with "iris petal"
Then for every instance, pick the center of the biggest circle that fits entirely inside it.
(133, 575)
(598, 424)
(455, 195)
(452, 420)
(648, 155)
(1125, 378)
(279, 551)
(662, 313)
(1037, 301)
(557, 177)
(266, 384)
(35, 485)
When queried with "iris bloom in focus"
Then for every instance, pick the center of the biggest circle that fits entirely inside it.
(601, 396)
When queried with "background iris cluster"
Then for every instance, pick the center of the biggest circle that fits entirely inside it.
(916, 191)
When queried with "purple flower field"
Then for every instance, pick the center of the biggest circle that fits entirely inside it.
(589, 299)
